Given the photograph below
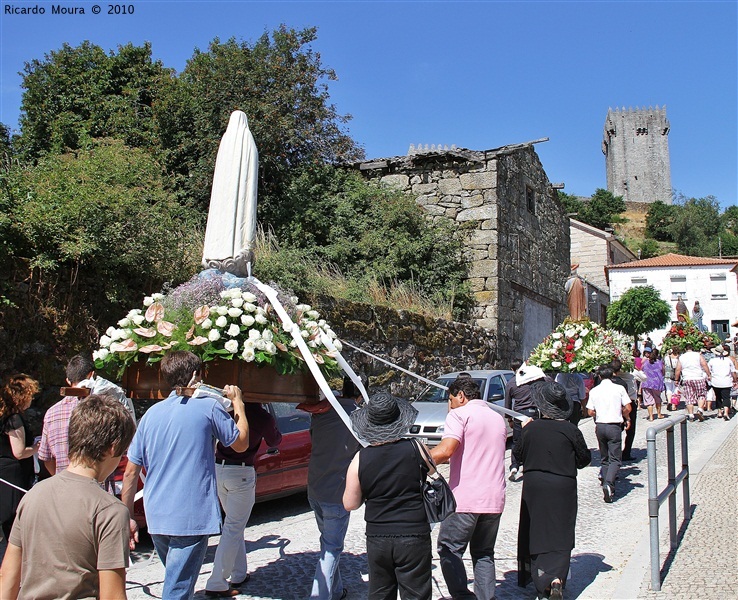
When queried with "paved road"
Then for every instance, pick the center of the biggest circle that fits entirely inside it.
(610, 559)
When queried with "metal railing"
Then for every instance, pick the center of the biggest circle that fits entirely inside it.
(656, 498)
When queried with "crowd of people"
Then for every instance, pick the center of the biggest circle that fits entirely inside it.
(198, 454)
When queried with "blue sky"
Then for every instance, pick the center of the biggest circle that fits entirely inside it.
(475, 74)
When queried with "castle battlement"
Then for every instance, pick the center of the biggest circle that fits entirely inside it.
(636, 148)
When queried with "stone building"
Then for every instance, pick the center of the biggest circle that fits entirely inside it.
(636, 148)
(594, 250)
(518, 234)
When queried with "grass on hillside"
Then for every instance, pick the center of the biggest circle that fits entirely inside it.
(306, 275)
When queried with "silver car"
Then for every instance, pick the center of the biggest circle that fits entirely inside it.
(432, 403)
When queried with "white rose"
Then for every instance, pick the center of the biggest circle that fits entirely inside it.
(221, 321)
(248, 297)
(124, 323)
(222, 310)
(569, 333)
(337, 343)
(578, 344)
(231, 346)
(556, 364)
(125, 334)
(102, 354)
(584, 332)
(157, 297)
(249, 344)
(322, 323)
(233, 330)
(271, 348)
(260, 310)
(313, 314)
(137, 319)
(261, 319)
(304, 334)
(214, 335)
(148, 301)
(248, 307)
(105, 341)
(293, 344)
(206, 324)
(237, 302)
(260, 344)
(331, 334)
(247, 320)
(254, 334)
(556, 335)
(267, 335)
(572, 366)
(110, 331)
(234, 312)
(312, 344)
(133, 312)
(248, 355)
(557, 344)
(117, 334)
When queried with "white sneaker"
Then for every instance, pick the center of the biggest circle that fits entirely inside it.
(513, 474)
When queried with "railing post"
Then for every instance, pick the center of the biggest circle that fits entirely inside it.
(671, 474)
(685, 467)
(653, 510)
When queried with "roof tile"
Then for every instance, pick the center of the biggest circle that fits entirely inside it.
(674, 260)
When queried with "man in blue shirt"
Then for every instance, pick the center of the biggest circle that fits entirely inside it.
(175, 443)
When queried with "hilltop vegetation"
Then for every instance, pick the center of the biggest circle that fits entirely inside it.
(104, 190)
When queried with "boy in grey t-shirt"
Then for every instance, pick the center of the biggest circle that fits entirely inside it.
(70, 538)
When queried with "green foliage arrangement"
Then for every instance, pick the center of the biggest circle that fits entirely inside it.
(683, 333)
(581, 347)
(216, 317)
(639, 310)
(659, 219)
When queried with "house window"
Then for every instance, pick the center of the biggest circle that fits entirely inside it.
(718, 286)
(638, 281)
(721, 328)
(530, 199)
(678, 287)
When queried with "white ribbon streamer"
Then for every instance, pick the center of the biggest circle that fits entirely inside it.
(291, 328)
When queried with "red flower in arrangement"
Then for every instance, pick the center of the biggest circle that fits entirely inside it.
(681, 333)
(570, 346)
(568, 357)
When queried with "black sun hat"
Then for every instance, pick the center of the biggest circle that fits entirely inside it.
(552, 400)
(385, 418)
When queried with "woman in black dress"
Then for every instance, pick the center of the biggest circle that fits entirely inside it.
(386, 475)
(551, 451)
(16, 445)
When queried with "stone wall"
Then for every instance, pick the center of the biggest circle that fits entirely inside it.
(426, 346)
(518, 252)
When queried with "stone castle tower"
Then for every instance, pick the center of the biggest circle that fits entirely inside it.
(636, 148)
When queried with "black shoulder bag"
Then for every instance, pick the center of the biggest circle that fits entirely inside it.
(438, 498)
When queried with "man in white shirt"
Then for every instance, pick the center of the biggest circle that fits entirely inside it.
(609, 404)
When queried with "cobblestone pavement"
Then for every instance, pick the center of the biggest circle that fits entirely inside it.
(706, 557)
(282, 538)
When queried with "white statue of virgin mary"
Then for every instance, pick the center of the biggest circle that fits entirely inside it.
(231, 228)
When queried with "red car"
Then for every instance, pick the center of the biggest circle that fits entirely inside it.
(280, 471)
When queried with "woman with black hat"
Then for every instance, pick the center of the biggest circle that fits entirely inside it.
(387, 475)
(551, 451)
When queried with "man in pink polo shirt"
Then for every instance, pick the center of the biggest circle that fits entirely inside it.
(474, 444)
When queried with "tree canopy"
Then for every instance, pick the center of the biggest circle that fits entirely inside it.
(639, 310)
(601, 210)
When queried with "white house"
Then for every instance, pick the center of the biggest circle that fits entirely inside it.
(711, 281)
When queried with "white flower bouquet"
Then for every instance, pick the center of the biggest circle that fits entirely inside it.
(580, 347)
(212, 320)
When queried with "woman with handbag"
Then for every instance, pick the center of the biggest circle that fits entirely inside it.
(671, 360)
(386, 475)
(551, 451)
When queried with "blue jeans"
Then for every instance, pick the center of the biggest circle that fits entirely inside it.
(479, 532)
(333, 520)
(182, 556)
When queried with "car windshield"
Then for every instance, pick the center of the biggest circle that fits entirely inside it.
(435, 394)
